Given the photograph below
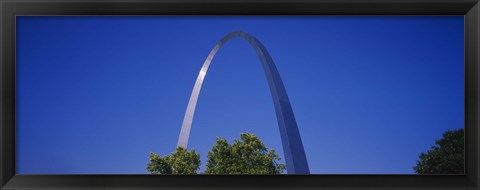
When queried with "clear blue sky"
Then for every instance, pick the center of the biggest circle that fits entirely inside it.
(96, 94)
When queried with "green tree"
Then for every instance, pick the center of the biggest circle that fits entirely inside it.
(179, 162)
(248, 156)
(446, 157)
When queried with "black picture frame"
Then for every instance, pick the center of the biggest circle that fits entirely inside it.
(9, 9)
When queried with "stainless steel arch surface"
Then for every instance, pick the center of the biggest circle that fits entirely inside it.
(295, 158)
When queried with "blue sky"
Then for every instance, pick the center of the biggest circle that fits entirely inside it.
(96, 94)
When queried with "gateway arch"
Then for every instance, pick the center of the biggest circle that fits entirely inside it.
(295, 159)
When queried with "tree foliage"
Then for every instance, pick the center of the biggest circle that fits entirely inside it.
(446, 157)
(179, 162)
(247, 156)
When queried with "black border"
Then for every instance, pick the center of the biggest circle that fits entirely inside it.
(10, 8)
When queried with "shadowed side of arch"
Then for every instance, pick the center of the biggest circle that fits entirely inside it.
(294, 153)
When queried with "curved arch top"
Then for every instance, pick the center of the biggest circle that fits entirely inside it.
(295, 158)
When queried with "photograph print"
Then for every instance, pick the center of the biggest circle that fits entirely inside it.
(239, 95)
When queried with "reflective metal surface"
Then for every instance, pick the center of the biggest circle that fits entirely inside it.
(295, 158)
